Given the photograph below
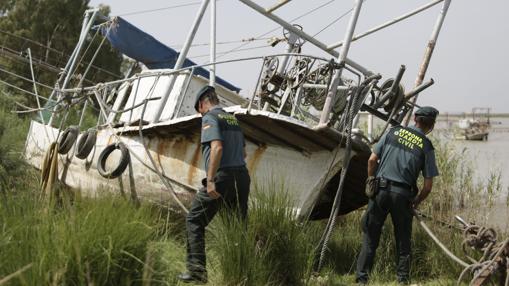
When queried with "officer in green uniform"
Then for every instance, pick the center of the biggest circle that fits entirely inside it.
(393, 168)
(227, 182)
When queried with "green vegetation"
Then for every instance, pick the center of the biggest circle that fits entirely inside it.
(50, 28)
(13, 132)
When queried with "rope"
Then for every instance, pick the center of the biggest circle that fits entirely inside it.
(49, 169)
(339, 192)
(478, 238)
(486, 265)
(440, 244)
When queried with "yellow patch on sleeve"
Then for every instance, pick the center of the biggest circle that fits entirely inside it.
(205, 127)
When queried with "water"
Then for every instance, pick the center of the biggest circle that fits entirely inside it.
(490, 158)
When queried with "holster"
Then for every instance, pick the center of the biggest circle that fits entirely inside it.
(372, 185)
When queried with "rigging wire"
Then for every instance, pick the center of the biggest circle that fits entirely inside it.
(335, 21)
(22, 90)
(73, 72)
(32, 41)
(160, 9)
(25, 78)
(252, 39)
(50, 59)
(275, 29)
(239, 50)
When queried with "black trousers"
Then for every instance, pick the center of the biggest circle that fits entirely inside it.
(399, 206)
(233, 185)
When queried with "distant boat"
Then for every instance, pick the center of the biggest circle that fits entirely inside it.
(477, 127)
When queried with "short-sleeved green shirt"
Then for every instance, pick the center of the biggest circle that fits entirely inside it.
(405, 152)
(220, 125)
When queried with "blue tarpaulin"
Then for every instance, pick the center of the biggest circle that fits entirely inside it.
(140, 46)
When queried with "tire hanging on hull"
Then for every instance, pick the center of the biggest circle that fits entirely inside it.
(122, 163)
(86, 143)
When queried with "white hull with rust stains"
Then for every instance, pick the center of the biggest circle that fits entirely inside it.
(304, 173)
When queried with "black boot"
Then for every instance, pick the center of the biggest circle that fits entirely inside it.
(198, 278)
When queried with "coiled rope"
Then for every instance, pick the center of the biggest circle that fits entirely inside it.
(495, 256)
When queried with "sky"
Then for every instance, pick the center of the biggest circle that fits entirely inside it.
(470, 64)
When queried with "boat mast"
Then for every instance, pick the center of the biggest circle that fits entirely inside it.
(88, 20)
(331, 94)
(181, 59)
(427, 55)
(213, 27)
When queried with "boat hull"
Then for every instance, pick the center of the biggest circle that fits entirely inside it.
(306, 168)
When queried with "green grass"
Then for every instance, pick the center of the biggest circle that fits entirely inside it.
(99, 241)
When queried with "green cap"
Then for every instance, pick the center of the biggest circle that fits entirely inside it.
(206, 89)
(427, 111)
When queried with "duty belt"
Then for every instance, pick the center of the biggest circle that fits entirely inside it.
(385, 183)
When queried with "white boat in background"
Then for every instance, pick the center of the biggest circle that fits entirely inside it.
(299, 124)
(477, 127)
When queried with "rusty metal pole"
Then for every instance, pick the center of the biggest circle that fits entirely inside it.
(324, 117)
(428, 53)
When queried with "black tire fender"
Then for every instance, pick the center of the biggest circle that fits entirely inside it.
(122, 164)
(86, 143)
(67, 139)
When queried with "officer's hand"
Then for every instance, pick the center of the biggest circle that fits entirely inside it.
(211, 190)
(416, 202)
